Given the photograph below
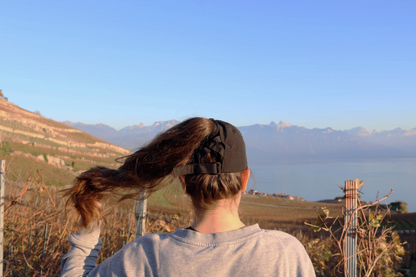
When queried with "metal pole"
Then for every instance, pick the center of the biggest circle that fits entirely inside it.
(11, 255)
(2, 184)
(351, 193)
(28, 251)
(129, 228)
(141, 215)
(44, 247)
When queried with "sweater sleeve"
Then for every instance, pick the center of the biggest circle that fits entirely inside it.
(82, 257)
(305, 266)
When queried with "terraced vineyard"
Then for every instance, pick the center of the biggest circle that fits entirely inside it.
(31, 142)
(404, 221)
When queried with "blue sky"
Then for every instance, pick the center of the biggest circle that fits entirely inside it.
(311, 63)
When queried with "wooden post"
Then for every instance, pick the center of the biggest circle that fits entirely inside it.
(2, 184)
(141, 215)
(350, 247)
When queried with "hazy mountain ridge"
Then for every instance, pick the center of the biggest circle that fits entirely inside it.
(283, 141)
(268, 142)
(397, 138)
(98, 130)
(130, 137)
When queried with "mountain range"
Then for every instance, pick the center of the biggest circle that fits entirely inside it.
(130, 137)
(282, 141)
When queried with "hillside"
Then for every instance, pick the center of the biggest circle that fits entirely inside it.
(29, 141)
(266, 210)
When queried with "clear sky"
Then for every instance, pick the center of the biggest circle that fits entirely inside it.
(338, 64)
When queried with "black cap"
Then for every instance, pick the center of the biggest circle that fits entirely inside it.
(226, 141)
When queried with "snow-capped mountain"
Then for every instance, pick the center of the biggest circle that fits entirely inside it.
(282, 141)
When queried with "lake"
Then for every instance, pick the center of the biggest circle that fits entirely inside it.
(318, 180)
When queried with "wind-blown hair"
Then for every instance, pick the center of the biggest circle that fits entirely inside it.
(144, 171)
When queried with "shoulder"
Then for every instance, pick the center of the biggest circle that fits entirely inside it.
(292, 253)
(147, 243)
(148, 239)
(286, 243)
(141, 254)
(281, 237)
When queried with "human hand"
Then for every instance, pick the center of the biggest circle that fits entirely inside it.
(93, 224)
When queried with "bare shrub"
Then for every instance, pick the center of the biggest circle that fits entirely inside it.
(379, 248)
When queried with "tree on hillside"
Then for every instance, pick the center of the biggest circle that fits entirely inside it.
(399, 206)
(1, 93)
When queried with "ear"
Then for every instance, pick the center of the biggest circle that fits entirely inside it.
(244, 178)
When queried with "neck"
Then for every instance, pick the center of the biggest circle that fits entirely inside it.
(223, 218)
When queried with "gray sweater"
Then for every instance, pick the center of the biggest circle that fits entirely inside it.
(249, 251)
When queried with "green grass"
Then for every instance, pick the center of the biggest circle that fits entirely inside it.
(21, 168)
(171, 197)
(36, 151)
(398, 226)
(407, 224)
(413, 269)
(280, 209)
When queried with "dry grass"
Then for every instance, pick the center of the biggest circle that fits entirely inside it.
(37, 218)
(21, 168)
(168, 209)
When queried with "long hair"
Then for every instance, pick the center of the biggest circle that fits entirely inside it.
(144, 171)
